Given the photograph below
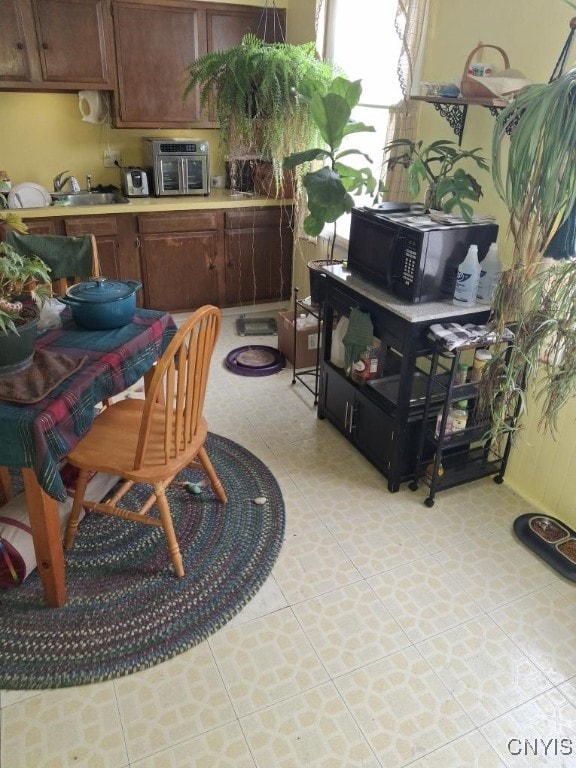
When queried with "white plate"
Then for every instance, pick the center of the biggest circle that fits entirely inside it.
(28, 195)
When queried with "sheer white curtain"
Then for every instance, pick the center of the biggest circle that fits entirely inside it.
(378, 42)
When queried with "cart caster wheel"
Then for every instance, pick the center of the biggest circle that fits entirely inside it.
(429, 502)
(413, 485)
(498, 479)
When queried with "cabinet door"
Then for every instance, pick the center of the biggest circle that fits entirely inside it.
(154, 45)
(17, 44)
(75, 42)
(374, 433)
(258, 249)
(56, 44)
(180, 270)
(115, 240)
(226, 26)
(337, 404)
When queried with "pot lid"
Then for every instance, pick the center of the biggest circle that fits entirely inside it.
(101, 290)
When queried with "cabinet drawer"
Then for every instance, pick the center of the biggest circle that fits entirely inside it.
(186, 221)
(91, 225)
(247, 219)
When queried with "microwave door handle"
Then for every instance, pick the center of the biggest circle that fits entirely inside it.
(183, 175)
(390, 263)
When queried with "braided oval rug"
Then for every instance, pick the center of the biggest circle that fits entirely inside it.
(126, 611)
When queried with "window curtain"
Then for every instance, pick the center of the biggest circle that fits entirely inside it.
(410, 24)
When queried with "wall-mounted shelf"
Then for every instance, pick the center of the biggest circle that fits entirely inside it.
(455, 110)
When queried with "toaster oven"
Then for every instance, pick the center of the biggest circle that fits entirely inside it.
(178, 166)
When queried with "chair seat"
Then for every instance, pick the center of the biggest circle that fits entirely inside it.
(118, 428)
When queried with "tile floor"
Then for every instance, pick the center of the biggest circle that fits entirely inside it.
(388, 634)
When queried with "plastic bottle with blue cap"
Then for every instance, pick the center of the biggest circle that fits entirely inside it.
(467, 280)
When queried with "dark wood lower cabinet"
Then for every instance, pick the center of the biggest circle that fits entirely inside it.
(180, 270)
(188, 258)
(258, 248)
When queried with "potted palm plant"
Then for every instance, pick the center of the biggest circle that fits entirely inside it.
(253, 92)
(447, 188)
(329, 189)
(534, 171)
(24, 287)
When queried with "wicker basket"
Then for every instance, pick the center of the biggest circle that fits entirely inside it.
(472, 87)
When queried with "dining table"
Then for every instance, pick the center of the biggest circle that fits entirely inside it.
(35, 437)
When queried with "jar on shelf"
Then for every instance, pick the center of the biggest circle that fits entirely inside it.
(481, 359)
(461, 374)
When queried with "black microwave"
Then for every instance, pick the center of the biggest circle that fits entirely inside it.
(411, 256)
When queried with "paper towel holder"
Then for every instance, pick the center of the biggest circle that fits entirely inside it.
(94, 106)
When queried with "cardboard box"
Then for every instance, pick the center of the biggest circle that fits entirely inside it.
(307, 340)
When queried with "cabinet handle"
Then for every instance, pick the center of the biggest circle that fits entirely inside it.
(351, 422)
(137, 242)
(20, 46)
(45, 46)
(346, 416)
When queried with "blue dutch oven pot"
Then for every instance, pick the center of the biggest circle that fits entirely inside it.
(101, 304)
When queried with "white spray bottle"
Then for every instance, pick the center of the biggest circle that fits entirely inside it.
(467, 280)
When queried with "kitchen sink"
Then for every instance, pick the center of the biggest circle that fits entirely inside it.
(90, 198)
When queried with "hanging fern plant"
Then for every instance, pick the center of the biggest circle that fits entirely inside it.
(252, 91)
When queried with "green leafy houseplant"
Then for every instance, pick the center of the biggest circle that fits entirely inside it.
(329, 189)
(253, 91)
(534, 171)
(19, 274)
(433, 166)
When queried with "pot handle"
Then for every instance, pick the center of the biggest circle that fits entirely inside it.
(67, 300)
(134, 284)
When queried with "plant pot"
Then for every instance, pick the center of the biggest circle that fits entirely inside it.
(265, 183)
(240, 174)
(318, 280)
(17, 349)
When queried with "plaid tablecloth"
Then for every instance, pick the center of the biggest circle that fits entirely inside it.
(41, 434)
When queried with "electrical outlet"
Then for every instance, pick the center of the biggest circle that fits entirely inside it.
(111, 157)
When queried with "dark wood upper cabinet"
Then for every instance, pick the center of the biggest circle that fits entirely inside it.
(227, 25)
(154, 44)
(156, 40)
(56, 45)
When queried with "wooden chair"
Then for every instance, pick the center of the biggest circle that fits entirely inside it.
(71, 259)
(150, 441)
(5, 484)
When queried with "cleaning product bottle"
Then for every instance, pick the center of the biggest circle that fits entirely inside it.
(467, 280)
(301, 321)
(338, 351)
(490, 270)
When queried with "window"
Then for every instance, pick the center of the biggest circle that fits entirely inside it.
(362, 39)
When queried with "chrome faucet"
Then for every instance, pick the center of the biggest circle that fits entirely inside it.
(59, 182)
(88, 182)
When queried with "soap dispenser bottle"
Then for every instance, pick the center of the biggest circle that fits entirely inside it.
(467, 280)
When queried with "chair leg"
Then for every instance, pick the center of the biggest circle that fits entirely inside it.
(212, 476)
(6, 483)
(168, 526)
(72, 527)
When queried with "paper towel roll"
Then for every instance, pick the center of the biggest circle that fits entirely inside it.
(93, 106)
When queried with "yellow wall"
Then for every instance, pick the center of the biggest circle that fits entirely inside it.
(42, 134)
(532, 33)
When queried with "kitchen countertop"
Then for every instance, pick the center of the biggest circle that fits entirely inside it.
(218, 198)
(426, 312)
